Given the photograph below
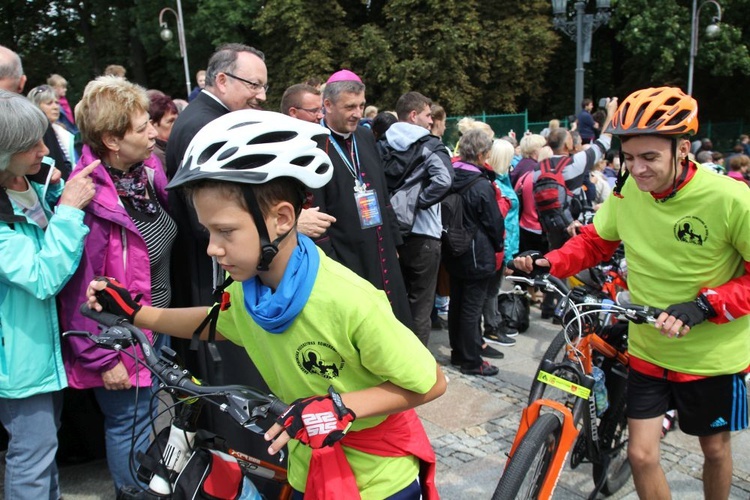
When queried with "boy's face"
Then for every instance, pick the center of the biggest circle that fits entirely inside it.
(650, 162)
(233, 236)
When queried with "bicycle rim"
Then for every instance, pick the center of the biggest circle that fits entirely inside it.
(526, 470)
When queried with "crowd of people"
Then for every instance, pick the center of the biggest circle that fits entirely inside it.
(325, 222)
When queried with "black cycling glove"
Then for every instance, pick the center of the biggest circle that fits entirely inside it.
(537, 270)
(116, 299)
(692, 313)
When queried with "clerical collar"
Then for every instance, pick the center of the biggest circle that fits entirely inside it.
(333, 132)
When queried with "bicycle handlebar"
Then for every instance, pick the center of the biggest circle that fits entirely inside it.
(246, 405)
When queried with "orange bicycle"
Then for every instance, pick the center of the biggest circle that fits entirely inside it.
(577, 400)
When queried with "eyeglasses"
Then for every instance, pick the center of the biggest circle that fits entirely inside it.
(313, 111)
(253, 85)
(42, 88)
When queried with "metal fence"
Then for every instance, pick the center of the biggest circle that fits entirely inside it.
(724, 135)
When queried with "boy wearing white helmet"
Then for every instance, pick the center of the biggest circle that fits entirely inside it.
(319, 335)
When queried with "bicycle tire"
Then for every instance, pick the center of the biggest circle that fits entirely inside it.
(555, 352)
(613, 432)
(529, 464)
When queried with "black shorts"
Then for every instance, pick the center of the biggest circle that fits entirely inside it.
(704, 407)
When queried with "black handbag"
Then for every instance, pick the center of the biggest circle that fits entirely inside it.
(515, 307)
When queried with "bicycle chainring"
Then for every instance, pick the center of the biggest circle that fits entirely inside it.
(578, 455)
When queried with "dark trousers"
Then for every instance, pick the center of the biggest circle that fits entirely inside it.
(419, 258)
(464, 316)
(492, 317)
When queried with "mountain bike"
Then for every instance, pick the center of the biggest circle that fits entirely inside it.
(181, 459)
(577, 400)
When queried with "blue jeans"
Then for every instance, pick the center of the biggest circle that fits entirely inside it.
(32, 424)
(120, 411)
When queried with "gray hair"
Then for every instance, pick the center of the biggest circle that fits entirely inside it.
(10, 65)
(224, 60)
(335, 89)
(474, 143)
(22, 125)
(41, 94)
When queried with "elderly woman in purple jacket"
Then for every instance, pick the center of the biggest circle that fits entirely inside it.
(130, 240)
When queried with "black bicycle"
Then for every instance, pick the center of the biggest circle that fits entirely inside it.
(178, 446)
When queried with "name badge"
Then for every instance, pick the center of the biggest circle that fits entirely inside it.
(368, 208)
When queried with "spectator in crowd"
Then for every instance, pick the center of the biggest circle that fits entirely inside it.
(200, 80)
(163, 113)
(738, 168)
(303, 102)
(499, 160)
(382, 123)
(472, 272)
(39, 251)
(530, 146)
(439, 316)
(115, 70)
(181, 104)
(60, 86)
(365, 235)
(236, 78)
(430, 179)
(561, 142)
(745, 141)
(600, 183)
(130, 240)
(369, 115)
(553, 124)
(706, 158)
(45, 98)
(438, 120)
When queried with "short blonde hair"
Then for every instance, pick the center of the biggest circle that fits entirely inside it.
(467, 123)
(107, 106)
(500, 156)
(544, 153)
(56, 80)
(532, 143)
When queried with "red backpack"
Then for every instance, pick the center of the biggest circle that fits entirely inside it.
(551, 196)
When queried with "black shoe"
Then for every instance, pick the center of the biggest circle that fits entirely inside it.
(510, 332)
(500, 339)
(491, 352)
(485, 370)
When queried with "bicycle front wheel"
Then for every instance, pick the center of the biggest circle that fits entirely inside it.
(524, 475)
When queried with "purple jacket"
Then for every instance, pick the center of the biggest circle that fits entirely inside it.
(114, 248)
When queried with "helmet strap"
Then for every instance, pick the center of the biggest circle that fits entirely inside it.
(268, 248)
(622, 176)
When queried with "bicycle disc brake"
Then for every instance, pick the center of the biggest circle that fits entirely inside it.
(578, 454)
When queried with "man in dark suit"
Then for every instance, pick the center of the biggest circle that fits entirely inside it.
(235, 79)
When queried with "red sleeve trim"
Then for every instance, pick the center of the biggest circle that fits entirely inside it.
(587, 249)
(730, 300)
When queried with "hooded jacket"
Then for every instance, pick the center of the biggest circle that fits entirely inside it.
(114, 248)
(482, 212)
(433, 172)
(34, 266)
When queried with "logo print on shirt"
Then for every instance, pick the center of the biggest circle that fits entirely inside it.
(319, 358)
(691, 229)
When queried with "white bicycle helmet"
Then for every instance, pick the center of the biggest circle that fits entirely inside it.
(254, 147)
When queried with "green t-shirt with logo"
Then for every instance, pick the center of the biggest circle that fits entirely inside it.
(699, 238)
(345, 336)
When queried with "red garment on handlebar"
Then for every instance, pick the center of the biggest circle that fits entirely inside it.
(330, 476)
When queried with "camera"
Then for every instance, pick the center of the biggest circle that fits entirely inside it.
(603, 102)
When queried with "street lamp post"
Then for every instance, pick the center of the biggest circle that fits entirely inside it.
(711, 30)
(166, 35)
(580, 30)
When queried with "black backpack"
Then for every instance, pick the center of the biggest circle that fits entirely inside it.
(551, 196)
(457, 230)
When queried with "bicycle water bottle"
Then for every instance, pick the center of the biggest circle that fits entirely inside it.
(600, 391)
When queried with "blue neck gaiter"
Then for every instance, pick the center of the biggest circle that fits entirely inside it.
(276, 310)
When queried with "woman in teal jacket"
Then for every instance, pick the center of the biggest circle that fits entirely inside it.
(39, 251)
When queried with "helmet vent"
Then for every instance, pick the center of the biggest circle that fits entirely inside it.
(207, 153)
(679, 117)
(302, 161)
(243, 124)
(226, 154)
(271, 137)
(322, 168)
(248, 162)
(671, 101)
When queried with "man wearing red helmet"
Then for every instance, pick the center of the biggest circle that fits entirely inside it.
(686, 233)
